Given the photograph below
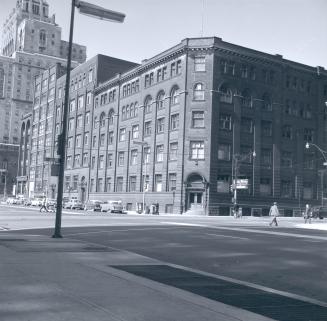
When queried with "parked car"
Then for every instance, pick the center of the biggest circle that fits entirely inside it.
(319, 212)
(10, 200)
(27, 202)
(18, 201)
(112, 207)
(93, 205)
(74, 205)
(36, 201)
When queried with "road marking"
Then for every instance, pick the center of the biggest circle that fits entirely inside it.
(252, 285)
(239, 229)
(125, 230)
(233, 237)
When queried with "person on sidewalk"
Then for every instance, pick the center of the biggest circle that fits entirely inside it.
(274, 212)
(236, 209)
(44, 205)
(307, 214)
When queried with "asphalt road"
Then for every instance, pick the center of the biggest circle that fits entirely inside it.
(284, 258)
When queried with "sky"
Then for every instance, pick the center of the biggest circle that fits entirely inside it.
(296, 29)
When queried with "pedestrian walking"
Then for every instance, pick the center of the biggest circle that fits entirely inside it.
(44, 205)
(307, 214)
(236, 210)
(274, 212)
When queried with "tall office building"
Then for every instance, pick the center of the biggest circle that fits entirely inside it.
(31, 43)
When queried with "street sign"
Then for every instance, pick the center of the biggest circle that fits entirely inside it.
(242, 183)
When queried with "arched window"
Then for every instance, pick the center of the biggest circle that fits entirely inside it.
(95, 123)
(132, 114)
(123, 113)
(43, 38)
(147, 105)
(226, 94)
(102, 119)
(128, 115)
(246, 98)
(136, 110)
(198, 92)
(266, 102)
(174, 96)
(111, 117)
(160, 100)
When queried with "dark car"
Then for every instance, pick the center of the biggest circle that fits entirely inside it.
(319, 212)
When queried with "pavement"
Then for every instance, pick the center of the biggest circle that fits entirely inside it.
(47, 279)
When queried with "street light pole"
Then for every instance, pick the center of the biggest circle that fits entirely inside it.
(324, 155)
(102, 14)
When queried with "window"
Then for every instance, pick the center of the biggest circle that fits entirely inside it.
(287, 132)
(246, 125)
(71, 124)
(198, 93)
(135, 131)
(69, 161)
(72, 105)
(146, 156)
(77, 159)
(121, 158)
(160, 125)
(160, 100)
(173, 148)
(93, 162)
(246, 99)
(86, 139)
(134, 154)
(286, 189)
(78, 141)
(85, 159)
(307, 190)
(309, 161)
(224, 152)
(244, 71)
(266, 158)
(43, 35)
(90, 75)
(308, 135)
(109, 160)
(226, 94)
(87, 118)
(110, 138)
(197, 150)
(174, 121)
(287, 160)
(88, 98)
(266, 128)
(159, 153)
(102, 119)
(147, 105)
(146, 183)
(225, 122)
(120, 181)
(108, 183)
(70, 142)
(80, 102)
(197, 119)
(132, 183)
(122, 134)
(174, 96)
(79, 121)
(266, 102)
(102, 139)
(101, 161)
(158, 182)
(100, 185)
(199, 64)
(179, 67)
(173, 69)
(94, 141)
(265, 186)
(147, 128)
(246, 154)
(223, 184)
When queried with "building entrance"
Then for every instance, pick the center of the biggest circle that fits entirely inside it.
(195, 200)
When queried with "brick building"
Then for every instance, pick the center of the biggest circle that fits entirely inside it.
(47, 118)
(198, 108)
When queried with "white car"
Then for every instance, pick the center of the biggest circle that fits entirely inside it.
(112, 207)
(36, 202)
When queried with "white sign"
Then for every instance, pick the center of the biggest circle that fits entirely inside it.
(242, 183)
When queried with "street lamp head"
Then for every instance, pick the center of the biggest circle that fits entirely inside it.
(98, 12)
(307, 145)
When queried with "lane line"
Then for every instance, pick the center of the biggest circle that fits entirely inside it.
(252, 285)
(239, 229)
(232, 237)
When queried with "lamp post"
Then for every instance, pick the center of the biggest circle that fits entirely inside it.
(4, 173)
(95, 12)
(143, 144)
(324, 155)
(237, 159)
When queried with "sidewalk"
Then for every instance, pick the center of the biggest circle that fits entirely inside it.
(45, 279)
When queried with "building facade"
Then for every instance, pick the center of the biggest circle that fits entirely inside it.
(47, 124)
(184, 125)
